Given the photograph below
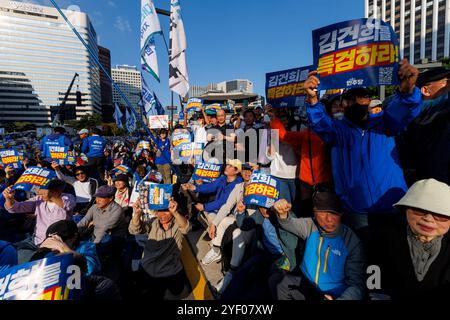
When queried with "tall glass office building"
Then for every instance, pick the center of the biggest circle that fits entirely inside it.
(39, 56)
(423, 26)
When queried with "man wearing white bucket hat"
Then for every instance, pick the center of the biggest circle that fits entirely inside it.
(414, 258)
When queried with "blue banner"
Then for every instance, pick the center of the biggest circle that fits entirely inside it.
(284, 89)
(34, 178)
(11, 158)
(263, 190)
(45, 279)
(356, 53)
(207, 172)
(159, 196)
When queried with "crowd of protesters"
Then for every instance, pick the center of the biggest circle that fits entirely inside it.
(363, 210)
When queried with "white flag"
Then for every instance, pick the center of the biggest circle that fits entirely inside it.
(149, 28)
(179, 79)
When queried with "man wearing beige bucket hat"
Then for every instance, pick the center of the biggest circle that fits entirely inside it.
(414, 258)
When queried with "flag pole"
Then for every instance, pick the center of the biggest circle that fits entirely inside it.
(181, 99)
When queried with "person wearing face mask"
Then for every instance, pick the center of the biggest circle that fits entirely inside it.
(367, 174)
(426, 144)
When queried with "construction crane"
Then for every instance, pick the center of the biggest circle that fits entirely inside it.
(63, 103)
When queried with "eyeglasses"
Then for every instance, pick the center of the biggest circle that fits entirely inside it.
(436, 217)
(80, 174)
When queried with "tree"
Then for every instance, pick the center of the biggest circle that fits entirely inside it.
(446, 62)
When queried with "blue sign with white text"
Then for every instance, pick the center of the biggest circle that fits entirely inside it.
(356, 53)
(285, 89)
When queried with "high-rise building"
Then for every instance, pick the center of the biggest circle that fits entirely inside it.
(39, 57)
(128, 78)
(423, 26)
(104, 56)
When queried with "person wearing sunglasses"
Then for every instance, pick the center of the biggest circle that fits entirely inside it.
(414, 256)
(84, 186)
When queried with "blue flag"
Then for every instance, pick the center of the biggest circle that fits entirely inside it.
(118, 116)
(131, 122)
(150, 104)
(159, 108)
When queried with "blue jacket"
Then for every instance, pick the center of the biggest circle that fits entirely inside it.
(334, 263)
(164, 146)
(89, 250)
(365, 161)
(54, 140)
(8, 256)
(94, 147)
(221, 188)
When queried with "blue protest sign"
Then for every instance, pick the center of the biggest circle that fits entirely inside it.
(121, 169)
(356, 53)
(284, 89)
(61, 155)
(180, 137)
(194, 105)
(45, 279)
(207, 172)
(159, 196)
(263, 190)
(34, 178)
(11, 158)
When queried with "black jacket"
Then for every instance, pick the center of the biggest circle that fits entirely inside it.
(390, 251)
(425, 147)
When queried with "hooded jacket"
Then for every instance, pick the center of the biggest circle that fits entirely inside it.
(365, 161)
(332, 262)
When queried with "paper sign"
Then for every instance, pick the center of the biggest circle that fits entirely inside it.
(356, 53)
(285, 89)
(263, 190)
(207, 172)
(34, 178)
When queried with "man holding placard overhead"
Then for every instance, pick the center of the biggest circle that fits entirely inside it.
(366, 169)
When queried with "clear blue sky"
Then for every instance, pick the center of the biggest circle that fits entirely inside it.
(227, 39)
